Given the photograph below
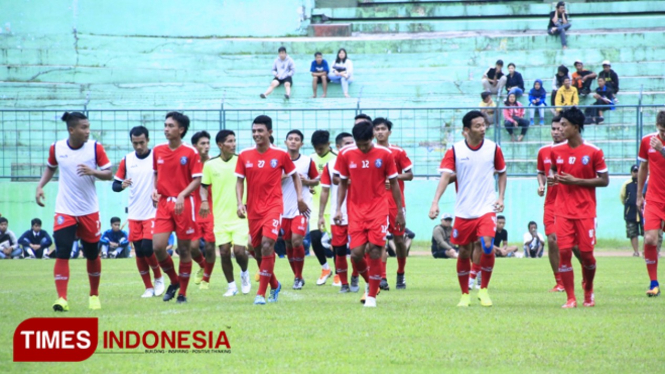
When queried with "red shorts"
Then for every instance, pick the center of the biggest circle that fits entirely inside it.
(654, 215)
(368, 229)
(548, 221)
(469, 230)
(392, 225)
(572, 232)
(340, 235)
(139, 230)
(267, 226)
(88, 229)
(184, 224)
(206, 229)
(296, 225)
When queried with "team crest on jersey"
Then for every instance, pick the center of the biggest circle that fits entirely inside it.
(455, 233)
(183, 160)
(585, 160)
(273, 163)
(60, 220)
(378, 163)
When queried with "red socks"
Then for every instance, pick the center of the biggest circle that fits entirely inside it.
(588, 269)
(184, 271)
(354, 267)
(94, 274)
(557, 278)
(361, 268)
(207, 271)
(200, 260)
(298, 260)
(289, 256)
(383, 268)
(154, 265)
(401, 263)
(168, 267)
(267, 276)
(566, 272)
(144, 270)
(463, 269)
(61, 276)
(342, 269)
(651, 258)
(375, 268)
(475, 269)
(486, 267)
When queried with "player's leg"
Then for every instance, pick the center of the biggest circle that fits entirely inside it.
(566, 239)
(485, 230)
(143, 268)
(286, 236)
(400, 252)
(151, 259)
(384, 285)
(268, 231)
(242, 260)
(339, 242)
(463, 270)
(197, 256)
(88, 231)
(375, 269)
(298, 232)
(586, 235)
(317, 245)
(227, 268)
(652, 225)
(474, 274)
(185, 265)
(64, 234)
(209, 253)
(553, 255)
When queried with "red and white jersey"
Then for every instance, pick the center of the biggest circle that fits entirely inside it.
(656, 190)
(304, 166)
(544, 165)
(263, 173)
(585, 162)
(139, 170)
(368, 173)
(176, 168)
(327, 181)
(403, 164)
(76, 194)
(475, 176)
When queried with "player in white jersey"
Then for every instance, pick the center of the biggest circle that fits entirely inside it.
(474, 161)
(340, 233)
(76, 206)
(135, 172)
(294, 224)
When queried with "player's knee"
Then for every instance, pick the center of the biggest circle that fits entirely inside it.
(90, 250)
(239, 252)
(296, 241)
(147, 247)
(650, 239)
(63, 254)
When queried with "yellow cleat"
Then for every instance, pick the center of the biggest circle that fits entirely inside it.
(465, 301)
(484, 297)
(257, 277)
(61, 305)
(93, 303)
(199, 276)
(654, 292)
(204, 285)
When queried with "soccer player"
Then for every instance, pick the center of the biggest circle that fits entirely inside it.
(263, 166)
(382, 132)
(367, 166)
(294, 224)
(579, 167)
(340, 233)
(177, 168)
(76, 206)
(201, 141)
(652, 157)
(230, 231)
(474, 161)
(135, 172)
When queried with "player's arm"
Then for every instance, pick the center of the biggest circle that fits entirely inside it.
(240, 188)
(406, 175)
(325, 191)
(542, 181)
(397, 196)
(46, 177)
(440, 189)
(341, 196)
(642, 173)
(302, 206)
(601, 180)
(180, 200)
(503, 179)
(205, 205)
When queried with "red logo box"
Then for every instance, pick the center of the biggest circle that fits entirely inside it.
(55, 339)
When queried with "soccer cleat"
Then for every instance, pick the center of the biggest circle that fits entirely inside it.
(159, 286)
(259, 300)
(571, 303)
(364, 296)
(557, 288)
(297, 284)
(484, 297)
(344, 289)
(465, 301)
(170, 292)
(274, 293)
(654, 291)
(93, 303)
(589, 299)
(336, 281)
(230, 292)
(198, 278)
(149, 292)
(181, 299)
(354, 287)
(370, 302)
(246, 285)
(325, 274)
(61, 305)
(400, 284)
(204, 285)
(257, 277)
(384, 285)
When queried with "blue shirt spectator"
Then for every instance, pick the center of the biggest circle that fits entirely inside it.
(537, 96)
(514, 81)
(320, 71)
(319, 67)
(114, 242)
(35, 241)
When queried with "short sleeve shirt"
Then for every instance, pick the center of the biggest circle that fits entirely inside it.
(544, 165)
(656, 191)
(403, 164)
(220, 176)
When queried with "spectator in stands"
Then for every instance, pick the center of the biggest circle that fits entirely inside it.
(283, 69)
(501, 247)
(441, 245)
(631, 214)
(534, 244)
(513, 115)
(610, 76)
(342, 71)
(494, 79)
(557, 82)
(9, 247)
(537, 97)
(319, 70)
(114, 242)
(559, 23)
(488, 103)
(514, 81)
(605, 99)
(35, 241)
(582, 79)
(566, 96)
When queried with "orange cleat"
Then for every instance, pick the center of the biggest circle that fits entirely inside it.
(571, 303)
(325, 274)
(336, 281)
(558, 288)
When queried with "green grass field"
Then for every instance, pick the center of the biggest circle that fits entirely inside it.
(318, 330)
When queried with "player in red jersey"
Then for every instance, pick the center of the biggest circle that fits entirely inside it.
(135, 172)
(368, 166)
(473, 161)
(263, 166)
(178, 171)
(579, 167)
(76, 206)
(652, 155)
(382, 132)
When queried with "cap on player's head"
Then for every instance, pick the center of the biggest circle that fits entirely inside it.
(72, 118)
(181, 119)
(469, 117)
(362, 116)
(575, 117)
(320, 137)
(363, 131)
(660, 119)
(339, 139)
(382, 121)
(200, 135)
(138, 131)
(263, 120)
(222, 135)
(297, 132)
(114, 220)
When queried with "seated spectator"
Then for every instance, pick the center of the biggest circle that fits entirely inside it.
(610, 76)
(76, 249)
(559, 23)
(441, 245)
(342, 71)
(494, 79)
(501, 237)
(408, 240)
(514, 81)
(9, 247)
(283, 69)
(114, 243)
(533, 242)
(566, 96)
(605, 99)
(487, 102)
(557, 82)
(171, 247)
(319, 70)
(35, 241)
(513, 115)
(582, 79)
(537, 97)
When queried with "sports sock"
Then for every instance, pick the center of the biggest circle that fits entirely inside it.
(94, 274)
(199, 260)
(354, 267)
(342, 269)
(289, 256)
(184, 272)
(557, 278)
(207, 271)
(232, 285)
(168, 267)
(374, 276)
(589, 269)
(61, 276)
(401, 264)
(299, 260)
(144, 271)
(566, 272)
(475, 269)
(651, 258)
(463, 269)
(486, 267)
(383, 268)
(267, 267)
(361, 267)
(154, 265)
(325, 266)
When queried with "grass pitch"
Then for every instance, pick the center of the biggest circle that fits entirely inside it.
(318, 330)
